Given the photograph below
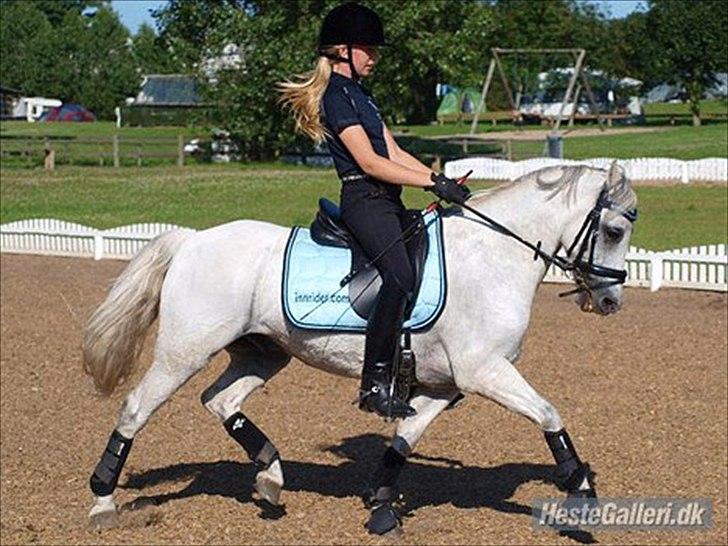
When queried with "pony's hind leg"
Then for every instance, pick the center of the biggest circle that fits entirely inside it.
(171, 369)
(157, 386)
(500, 381)
(253, 360)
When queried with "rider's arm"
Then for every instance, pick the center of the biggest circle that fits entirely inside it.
(398, 155)
(357, 142)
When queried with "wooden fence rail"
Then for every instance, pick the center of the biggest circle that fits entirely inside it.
(113, 150)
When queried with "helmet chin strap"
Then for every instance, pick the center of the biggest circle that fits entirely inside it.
(350, 61)
(354, 73)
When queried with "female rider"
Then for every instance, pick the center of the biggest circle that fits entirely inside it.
(330, 103)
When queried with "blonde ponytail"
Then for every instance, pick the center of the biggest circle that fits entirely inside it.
(303, 98)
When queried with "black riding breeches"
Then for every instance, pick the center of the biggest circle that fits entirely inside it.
(376, 220)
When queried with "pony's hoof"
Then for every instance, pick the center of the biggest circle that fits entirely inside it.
(103, 513)
(384, 521)
(269, 483)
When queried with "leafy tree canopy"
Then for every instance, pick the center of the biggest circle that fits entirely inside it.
(692, 43)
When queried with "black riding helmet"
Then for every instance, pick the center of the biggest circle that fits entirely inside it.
(349, 24)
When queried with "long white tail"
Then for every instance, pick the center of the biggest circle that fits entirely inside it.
(115, 332)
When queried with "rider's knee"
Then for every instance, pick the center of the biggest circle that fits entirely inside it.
(401, 281)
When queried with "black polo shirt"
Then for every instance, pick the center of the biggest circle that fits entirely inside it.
(345, 103)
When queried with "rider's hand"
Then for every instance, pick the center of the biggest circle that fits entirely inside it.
(448, 189)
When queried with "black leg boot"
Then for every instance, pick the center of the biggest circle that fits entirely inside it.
(383, 331)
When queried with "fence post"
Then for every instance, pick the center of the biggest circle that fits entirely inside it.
(115, 146)
(50, 156)
(655, 272)
(180, 150)
(684, 173)
(98, 246)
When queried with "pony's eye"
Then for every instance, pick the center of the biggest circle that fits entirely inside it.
(614, 234)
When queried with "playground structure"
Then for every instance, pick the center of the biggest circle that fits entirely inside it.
(571, 98)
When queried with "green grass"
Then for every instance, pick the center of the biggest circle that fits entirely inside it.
(676, 142)
(710, 107)
(681, 216)
(679, 142)
(681, 108)
(203, 196)
(463, 128)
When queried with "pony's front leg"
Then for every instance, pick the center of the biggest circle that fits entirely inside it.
(500, 381)
(382, 491)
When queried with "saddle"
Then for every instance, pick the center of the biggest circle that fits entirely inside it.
(329, 230)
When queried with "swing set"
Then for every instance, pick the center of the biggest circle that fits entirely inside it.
(570, 97)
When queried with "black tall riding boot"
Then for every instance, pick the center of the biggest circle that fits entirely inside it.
(383, 332)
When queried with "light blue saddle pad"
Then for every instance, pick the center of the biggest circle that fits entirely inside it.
(313, 299)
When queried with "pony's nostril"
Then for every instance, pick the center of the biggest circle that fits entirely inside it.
(608, 305)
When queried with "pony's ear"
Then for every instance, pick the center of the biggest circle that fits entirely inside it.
(616, 174)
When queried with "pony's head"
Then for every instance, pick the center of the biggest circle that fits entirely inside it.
(601, 253)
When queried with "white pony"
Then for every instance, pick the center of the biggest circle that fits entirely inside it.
(220, 289)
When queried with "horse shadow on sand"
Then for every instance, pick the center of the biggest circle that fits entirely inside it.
(425, 481)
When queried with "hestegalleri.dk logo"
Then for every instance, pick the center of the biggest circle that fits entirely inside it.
(623, 513)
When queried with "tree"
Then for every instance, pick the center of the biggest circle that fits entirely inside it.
(693, 44)
(92, 62)
(188, 29)
(553, 24)
(633, 49)
(151, 54)
(56, 10)
(25, 40)
(66, 51)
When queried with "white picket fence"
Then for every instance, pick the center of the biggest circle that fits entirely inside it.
(702, 267)
(654, 169)
(59, 238)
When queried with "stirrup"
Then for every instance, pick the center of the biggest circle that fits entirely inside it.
(395, 408)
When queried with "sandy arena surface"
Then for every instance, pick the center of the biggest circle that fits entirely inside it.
(643, 394)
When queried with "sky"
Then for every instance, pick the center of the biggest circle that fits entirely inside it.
(135, 12)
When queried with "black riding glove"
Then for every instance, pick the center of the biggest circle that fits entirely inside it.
(448, 189)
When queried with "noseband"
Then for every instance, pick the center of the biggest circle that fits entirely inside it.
(585, 240)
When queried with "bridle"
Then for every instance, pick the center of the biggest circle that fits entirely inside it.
(588, 233)
(584, 242)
